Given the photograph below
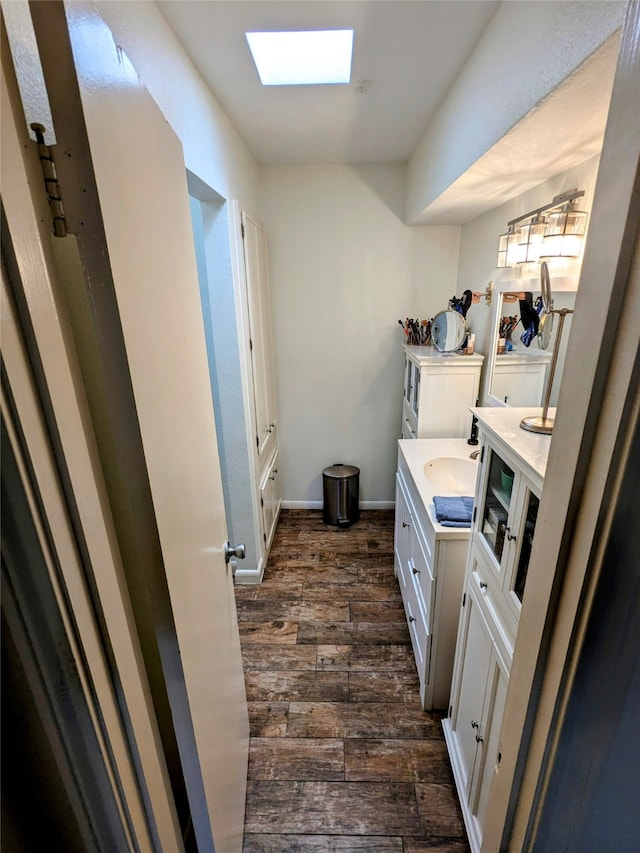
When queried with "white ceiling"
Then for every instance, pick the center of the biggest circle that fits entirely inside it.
(407, 54)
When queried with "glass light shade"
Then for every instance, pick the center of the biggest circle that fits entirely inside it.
(503, 242)
(564, 234)
(514, 249)
(531, 236)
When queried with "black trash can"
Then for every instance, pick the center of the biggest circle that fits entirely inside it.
(341, 494)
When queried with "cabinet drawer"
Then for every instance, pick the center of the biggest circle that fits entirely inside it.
(491, 603)
(423, 580)
(415, 619)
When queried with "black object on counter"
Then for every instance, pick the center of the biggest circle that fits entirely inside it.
(473, 438)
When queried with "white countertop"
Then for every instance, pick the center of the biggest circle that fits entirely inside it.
(417, 451)
(430, 355)
(504, 422)
(523, 356)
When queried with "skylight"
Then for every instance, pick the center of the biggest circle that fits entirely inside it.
(302, 58)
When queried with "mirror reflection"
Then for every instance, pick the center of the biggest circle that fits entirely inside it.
(524, 339)
(448, 331)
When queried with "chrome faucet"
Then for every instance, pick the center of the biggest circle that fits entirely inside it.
(474, 454)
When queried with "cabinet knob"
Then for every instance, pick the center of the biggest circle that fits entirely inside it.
(412, 618)
(415, 571)
(475, 725)
(479, 739)
(510, 536)
(406, 524)
(483, 585)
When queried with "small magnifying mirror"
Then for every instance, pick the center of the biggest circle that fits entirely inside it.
(545, 330)
(448, 331)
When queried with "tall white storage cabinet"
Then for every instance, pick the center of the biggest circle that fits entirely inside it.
(508, 491)
(260, 357)
(439, 388)
(231, 248)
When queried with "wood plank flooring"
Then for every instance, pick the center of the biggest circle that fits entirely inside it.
(342, 757)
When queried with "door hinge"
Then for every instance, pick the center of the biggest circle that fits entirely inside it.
(242, 229)
(464, 599)
(250, 344)
(52, 188)
(450, 709)
(261, 501)
(264, 536)
(482, 454)
(257, 441)
(474, 513)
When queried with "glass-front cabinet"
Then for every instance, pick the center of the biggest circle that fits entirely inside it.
(506, 512)
(507, 499)
(439, 389)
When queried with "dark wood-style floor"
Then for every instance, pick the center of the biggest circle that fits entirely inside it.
(342, 756)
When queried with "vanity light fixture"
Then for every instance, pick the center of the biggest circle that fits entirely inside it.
(555, 230)
(564, 232)
(509, 247)
(531, 239)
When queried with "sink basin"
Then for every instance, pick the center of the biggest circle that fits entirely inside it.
(450, 475)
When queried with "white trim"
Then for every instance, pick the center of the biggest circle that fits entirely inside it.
(242, 576)
(319, 504)
(26, 212)
(583, 472)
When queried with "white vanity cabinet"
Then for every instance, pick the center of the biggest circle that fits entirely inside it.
(429, 565)
(507, 497)
(519, 379)
(438, 390)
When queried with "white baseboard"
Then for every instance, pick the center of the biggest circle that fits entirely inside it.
(249, 575)
(318, 504)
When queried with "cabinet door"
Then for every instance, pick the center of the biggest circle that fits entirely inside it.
(488, 758)
(415, 394)
(270, 500)
(494, 512)
(474, 649)
(408, 379)
(255, 255)
(522, 546)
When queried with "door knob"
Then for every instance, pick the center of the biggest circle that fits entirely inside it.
(239, 551)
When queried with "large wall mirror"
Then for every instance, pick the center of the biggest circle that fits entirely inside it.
(518, 360)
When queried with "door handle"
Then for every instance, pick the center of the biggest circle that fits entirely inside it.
(239, 551)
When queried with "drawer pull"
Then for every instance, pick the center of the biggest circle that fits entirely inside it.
(483, 585)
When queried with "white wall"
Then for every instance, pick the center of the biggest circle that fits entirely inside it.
(344, 269)
(213, 150)
(527, 50)
(479, 248)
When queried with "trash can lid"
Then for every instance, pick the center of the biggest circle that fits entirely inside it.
(338, 471)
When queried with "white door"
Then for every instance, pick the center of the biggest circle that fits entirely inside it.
(117, 152)
(257, 277)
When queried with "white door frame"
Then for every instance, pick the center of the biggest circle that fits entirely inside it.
(70, 486)
(587, 455)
